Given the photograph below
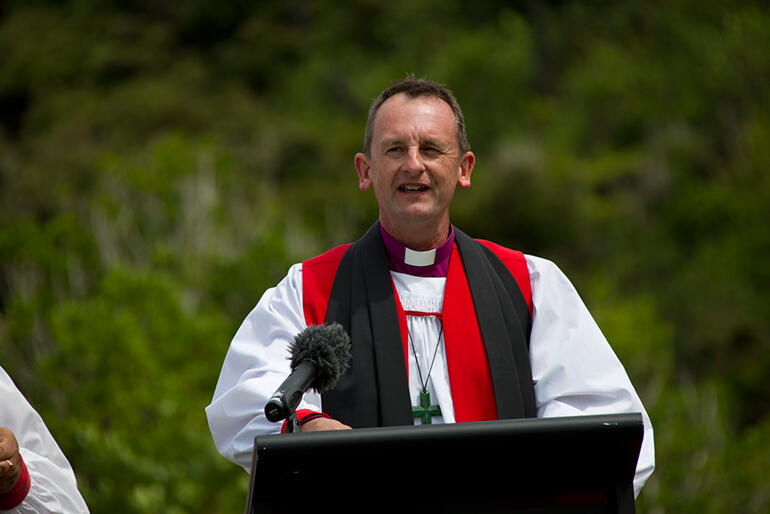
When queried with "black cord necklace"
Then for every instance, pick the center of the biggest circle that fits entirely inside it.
(425, 411)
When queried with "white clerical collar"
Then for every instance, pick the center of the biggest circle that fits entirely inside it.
(414, 258)
(433, 263)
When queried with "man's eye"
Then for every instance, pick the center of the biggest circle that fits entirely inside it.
(393, 150)
(431, 150)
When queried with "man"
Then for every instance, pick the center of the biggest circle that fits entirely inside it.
(34, 473)
(408, 292)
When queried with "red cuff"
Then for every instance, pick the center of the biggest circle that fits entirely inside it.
(16, 495)
(303, 416)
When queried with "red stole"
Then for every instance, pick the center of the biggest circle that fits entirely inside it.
(469, 376)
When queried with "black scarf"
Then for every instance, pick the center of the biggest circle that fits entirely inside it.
(374, 391)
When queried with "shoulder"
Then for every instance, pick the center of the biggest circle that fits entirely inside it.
(503, 253)
(517, 265)
(317, 280)
(322, 268)
(544, 272)
(329, 258)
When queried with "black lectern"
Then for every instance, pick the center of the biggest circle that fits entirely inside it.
(572, 465)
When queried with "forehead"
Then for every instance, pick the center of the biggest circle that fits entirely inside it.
(421, 117)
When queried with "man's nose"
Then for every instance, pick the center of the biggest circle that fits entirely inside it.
(413, 161)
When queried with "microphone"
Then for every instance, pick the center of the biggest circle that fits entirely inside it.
(320, 354)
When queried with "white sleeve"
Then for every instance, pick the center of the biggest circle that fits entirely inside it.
(53, 486)
(573, 366)
(255, 365)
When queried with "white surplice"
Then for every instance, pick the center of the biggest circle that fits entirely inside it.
(53, 487)
(574, 369)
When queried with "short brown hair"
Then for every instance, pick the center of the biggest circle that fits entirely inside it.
(414, 88)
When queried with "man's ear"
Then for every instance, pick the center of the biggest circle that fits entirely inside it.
(362, 168)
(466, 168)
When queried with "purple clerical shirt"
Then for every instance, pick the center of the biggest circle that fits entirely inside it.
(433, 263)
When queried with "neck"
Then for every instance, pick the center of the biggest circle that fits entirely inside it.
(430, 263)
(422, 237)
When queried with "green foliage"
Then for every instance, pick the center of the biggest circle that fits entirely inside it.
(162, 164)
(134, 363)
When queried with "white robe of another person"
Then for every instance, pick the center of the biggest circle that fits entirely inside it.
(53, 487)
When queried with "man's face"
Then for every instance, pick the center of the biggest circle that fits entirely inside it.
(414, 164)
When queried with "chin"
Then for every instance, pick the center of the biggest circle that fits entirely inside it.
(415, 217)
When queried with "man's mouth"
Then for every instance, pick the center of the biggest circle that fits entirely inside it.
(412, 188)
